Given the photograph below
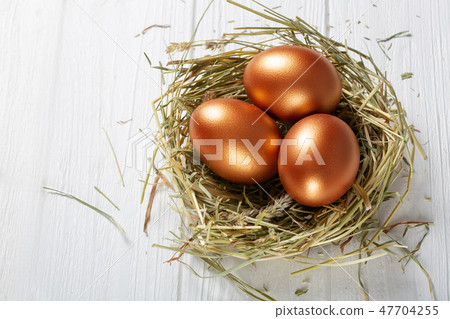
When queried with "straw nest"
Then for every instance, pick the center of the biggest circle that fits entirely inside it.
(260, 223)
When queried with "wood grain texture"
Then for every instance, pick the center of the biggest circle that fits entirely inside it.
(69, 68)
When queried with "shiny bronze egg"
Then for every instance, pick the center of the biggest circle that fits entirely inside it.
(290, 82)
(319, 159)
(236, 140)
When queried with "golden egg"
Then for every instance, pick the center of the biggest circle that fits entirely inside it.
(319, 159)
(236, 140)
(290, 82)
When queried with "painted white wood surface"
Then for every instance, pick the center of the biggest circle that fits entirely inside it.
(69, 68)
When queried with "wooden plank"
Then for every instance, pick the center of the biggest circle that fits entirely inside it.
(424, 98)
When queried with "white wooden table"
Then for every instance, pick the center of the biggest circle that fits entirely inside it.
(69, 68)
